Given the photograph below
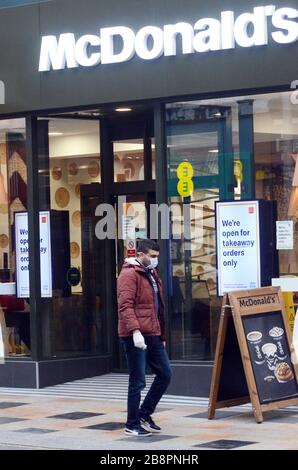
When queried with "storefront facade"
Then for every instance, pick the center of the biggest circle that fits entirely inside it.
(101, 106)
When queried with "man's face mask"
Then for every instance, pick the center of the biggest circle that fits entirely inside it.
(153, 263)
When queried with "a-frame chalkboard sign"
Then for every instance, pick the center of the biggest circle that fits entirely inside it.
(254, 360)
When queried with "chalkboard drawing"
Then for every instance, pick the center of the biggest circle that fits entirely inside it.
(269, 378)
(255, 338)
(280, 351)
(276, 333)
(270, 352)
(283, 373)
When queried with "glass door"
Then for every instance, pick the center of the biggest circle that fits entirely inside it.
(133, 225)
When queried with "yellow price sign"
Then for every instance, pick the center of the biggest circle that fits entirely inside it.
(185, 170)
(185, 187)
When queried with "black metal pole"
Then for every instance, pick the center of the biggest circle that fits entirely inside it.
(162, 198)
(34, 236)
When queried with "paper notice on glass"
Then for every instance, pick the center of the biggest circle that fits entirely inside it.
(285, 235)
(128, 227)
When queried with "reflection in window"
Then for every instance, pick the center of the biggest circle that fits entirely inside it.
(14, 312)
(193, 290)
(74, 320)
(129, 160)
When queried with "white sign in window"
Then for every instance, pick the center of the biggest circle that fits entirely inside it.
(285, 235)
(238, 246)
(22, 254)
(128, 227)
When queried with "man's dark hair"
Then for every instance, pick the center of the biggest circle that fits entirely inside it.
(145, 245)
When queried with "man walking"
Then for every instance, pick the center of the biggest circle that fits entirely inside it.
(141, 329)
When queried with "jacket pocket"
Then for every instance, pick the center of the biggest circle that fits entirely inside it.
(143, 311)
(144, 316)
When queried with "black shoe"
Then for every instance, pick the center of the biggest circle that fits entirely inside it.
(150, 424)
(138, 431)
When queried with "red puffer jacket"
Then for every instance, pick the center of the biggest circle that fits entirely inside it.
(136, 309)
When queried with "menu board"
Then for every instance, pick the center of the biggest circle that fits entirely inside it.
(270, 357)
(254, 359)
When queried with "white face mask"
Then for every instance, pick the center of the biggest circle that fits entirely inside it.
(153, 264)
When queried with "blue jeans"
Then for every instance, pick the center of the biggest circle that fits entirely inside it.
(137, 359)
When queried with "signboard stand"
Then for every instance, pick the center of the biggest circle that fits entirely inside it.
(253, 359)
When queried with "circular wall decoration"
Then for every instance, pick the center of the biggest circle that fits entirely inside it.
(56, 173)
(76, 218)
(73, 169)
(78, 190)
(62, 197)
(74, 250)
(3, 240)
(93, 169)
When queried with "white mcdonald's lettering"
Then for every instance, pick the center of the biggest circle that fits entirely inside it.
(151, 42)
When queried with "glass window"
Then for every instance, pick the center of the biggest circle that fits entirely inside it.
(193, 290)
(14, 312)
(129, 160)
(74, 318)
(193, 140)
(240, 148)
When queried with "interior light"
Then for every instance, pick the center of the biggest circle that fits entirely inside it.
(123, 110)
(55, 134)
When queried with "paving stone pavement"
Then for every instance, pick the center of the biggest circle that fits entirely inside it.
(80, 424)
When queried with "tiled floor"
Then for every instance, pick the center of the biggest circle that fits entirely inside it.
(225, 444)
(59, 423)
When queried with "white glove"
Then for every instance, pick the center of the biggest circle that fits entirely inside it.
(138, 340)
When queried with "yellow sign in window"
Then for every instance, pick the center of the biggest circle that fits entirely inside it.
(290, 309)
(185, 170)
(185, 173)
